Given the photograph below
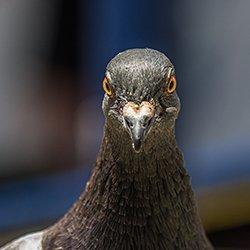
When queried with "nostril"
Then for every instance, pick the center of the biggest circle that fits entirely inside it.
(146, 122)
(128, 122)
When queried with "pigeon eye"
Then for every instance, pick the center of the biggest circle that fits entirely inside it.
(106, 86)
(171, 85)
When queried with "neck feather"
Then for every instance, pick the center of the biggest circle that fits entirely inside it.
(133, 201)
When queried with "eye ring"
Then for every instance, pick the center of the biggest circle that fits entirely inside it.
(172, 83)
(106, 86)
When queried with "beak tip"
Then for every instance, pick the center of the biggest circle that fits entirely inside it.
(137, 145)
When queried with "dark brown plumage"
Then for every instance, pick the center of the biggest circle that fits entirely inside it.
(134, 200)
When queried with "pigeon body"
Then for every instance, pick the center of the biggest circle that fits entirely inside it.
(139, 195)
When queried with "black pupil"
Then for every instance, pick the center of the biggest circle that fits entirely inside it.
(171, 85)
(107, 87)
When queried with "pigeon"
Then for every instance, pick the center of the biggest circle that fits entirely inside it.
(139, 195)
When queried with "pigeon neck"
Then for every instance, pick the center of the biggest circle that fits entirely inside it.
(134, 201)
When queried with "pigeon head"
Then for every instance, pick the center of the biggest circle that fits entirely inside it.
(140, 101)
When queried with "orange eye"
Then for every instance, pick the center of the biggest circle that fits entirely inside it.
(171, 85)
(106, 86)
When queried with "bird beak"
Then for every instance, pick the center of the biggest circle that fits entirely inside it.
(138, 119)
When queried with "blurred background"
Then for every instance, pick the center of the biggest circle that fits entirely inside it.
(52, 60)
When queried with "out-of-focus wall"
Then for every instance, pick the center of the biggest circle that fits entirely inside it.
(34, 127)
(213, 54)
